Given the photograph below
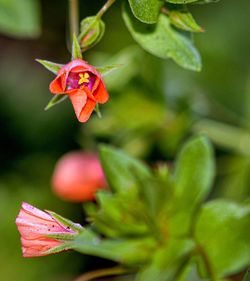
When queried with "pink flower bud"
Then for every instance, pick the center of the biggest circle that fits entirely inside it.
(43, 233)
(77, 176)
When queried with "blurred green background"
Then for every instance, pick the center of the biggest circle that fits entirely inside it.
(154, 106)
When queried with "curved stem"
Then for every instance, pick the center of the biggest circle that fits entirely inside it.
(207, 263)
(105, 8)
(73, 17)
(101, 273)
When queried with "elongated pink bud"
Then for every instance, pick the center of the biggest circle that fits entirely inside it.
(43, 233)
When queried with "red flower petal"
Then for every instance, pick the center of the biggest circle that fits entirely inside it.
(78, 99)
(101, 95)
(87, 110)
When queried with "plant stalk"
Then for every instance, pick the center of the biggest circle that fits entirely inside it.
(105, 7)
(73, 17)
(101, 273)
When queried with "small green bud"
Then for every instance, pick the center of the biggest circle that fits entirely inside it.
(91, 32)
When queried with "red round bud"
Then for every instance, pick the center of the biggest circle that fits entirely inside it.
(77, 176)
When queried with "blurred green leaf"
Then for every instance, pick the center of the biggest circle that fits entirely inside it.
(222, 231)
(166, 261)
(194, 172)
(184, 20)
(76, 49)
(206, 1)
(163, 41)
(119, 167)
(51, 66)
(55, 101)
(146, 11)
(91, 31)
(193, 179)
(114, 208)
(126, 251)
(20, 18)
(181, 1)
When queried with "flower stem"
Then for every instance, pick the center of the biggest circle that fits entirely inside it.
(73, 17)
(101, 273)
(105, 8)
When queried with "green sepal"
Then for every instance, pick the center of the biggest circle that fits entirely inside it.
(66, 222)
(55, 101)
(62, 236)
(105, 70)
(58, 249)
(51, 66)
(98, 111)
(76, 49)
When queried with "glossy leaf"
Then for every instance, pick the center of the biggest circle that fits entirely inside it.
(222, 231)
(146, 11)
(163, 41)
(185, 21)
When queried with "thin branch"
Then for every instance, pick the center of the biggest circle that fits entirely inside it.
(105, 8)
(73, 17)
(101, 273)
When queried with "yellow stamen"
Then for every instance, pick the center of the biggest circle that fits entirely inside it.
(84, 78)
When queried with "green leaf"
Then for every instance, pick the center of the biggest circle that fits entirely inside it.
(194, 172)
(91, 31)
(181, 1)
(51, 66)
(119, 169)
(163, 41)
(192, 182)
(126, 251)
(222, 231)
(185, 21)
(105, 70)
(146, 11)
(167, 261)
(115, 208)
(76, 49)
(55, 101)
(20, 18)
(206, 1)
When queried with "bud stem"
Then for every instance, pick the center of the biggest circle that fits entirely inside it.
(105, 8)
(73, 17)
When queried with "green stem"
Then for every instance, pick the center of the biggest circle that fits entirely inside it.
(73, 17)
(105, 8)
(101, 273)
(207, 263)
